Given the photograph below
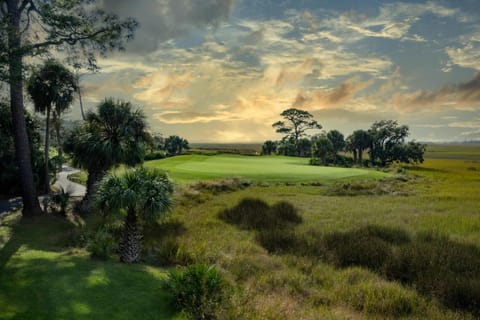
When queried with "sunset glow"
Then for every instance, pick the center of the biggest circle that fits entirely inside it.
(223, 70)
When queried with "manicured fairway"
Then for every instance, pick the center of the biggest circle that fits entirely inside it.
(269, 168)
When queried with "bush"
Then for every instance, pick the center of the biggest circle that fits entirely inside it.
(101, 244)
(285, 212)
(440, 268)
(165, 252)
(198, 290)
(61, 200)
(279, 241)
(155, 155)
(357, 248)
(256, 214)
(388, 234)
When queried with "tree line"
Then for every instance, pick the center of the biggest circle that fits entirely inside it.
(385, 142)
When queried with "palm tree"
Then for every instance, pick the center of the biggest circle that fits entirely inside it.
(321, 147)
(338, 143)
(142, 196)
(360, 141)
(52, 86)
(114, 135)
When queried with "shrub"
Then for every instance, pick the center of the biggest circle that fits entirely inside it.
(101, 243)
(356, 248)
(256, 214)
(198, 290)
(285, 212)
(388, 234)
(155, 155)
(441, 268)
(61, 200)
(278, 241)
(165, 252)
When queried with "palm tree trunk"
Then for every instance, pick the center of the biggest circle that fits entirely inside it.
(130, 245)
(360, 156)
(354, 155)
(46, 155)
(31, 206)
(94, 177)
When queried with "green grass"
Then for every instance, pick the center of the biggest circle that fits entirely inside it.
(46, 275)
(453, 151)
(191, 168)
(41, 278)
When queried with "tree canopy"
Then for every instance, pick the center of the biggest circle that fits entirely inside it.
(51, 88)
(296, 123)
(115, 134)
(32, 28)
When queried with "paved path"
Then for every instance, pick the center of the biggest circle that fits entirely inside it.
(74, 189)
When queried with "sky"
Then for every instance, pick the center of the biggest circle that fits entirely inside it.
(224, 70)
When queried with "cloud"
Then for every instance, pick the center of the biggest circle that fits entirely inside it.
(161, 20)
(467, 56)
(394, 21)
(193, 117)
(461, 95)
(330, 98)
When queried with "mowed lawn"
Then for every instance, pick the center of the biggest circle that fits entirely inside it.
(191, 168)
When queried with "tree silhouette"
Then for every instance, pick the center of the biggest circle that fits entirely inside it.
(51, 88)
(33, 27)
(295, 124)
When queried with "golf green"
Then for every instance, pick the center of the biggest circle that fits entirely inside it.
(189, 168)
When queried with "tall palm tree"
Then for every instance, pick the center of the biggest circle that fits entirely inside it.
(114, 135)
(142, 196)
(51, 88)
(361, 141)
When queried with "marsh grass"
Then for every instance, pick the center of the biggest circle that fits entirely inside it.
(256, 214)
(298, 283)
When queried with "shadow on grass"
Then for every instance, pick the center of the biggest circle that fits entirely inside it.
(423, 169)
(39, 279)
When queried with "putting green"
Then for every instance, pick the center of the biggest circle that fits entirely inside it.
(267, 168)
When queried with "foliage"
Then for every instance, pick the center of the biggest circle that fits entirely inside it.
(388, 144)
(198, 289)
(155, 155)
(61, 199)
(251, 213)
(74, 26)
(114, 135)
(441, 268)
(287, 146)
(357, 248)
(304, 147)
(143, 196)
(357, 143)
(101, 244)
(321, 147)
(33, 27)
(51, 89)
(338, 143)
(174, 145)
(296, 123)
(9, 182)
(269, 147)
